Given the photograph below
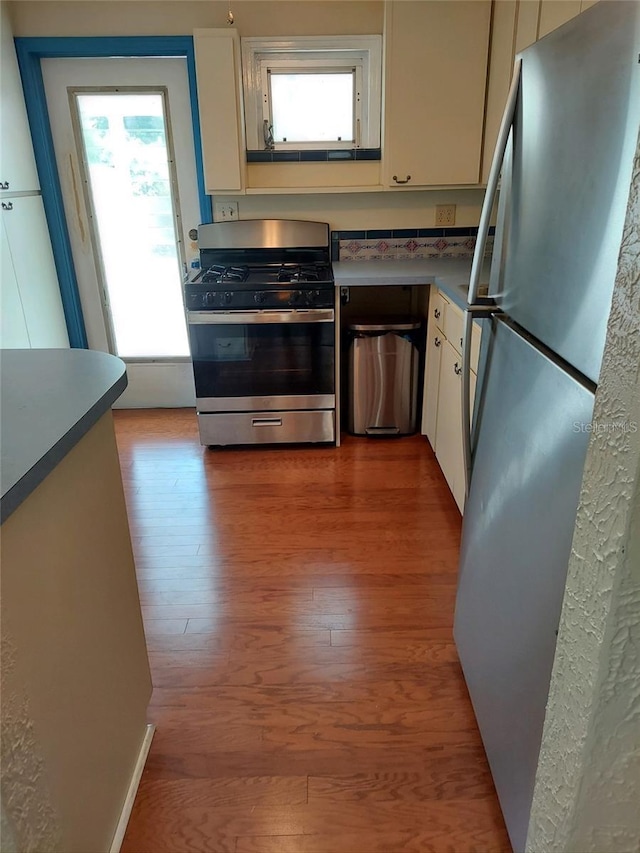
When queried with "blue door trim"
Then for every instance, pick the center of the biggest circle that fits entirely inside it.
(30, 51)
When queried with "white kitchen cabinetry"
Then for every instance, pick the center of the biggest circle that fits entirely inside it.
(435, 339)
(499, 76)
(26, 237)
(448, 447)
(13, 328)
(516, 24)
(555, 13)
(442, 401)
(18, 170)
(537, 18)
(32, 313)
(435, 80)
(220, 106)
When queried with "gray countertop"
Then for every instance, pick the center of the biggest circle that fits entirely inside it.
(449, 274)
(50, 399)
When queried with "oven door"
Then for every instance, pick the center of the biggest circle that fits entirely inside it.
(263, 360)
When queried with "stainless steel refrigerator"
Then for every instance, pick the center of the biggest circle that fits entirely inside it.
(568, 137)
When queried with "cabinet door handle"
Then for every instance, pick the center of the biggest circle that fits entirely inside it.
(398, 181)
(7, 205)
(437, 342)
(436, 313)
(460, 343)
(4, 185)
(457, 369)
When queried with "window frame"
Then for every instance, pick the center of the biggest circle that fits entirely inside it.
(305, 54)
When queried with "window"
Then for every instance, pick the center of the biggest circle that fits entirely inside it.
(310, 92)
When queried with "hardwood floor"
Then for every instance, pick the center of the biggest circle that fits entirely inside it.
(298, 605)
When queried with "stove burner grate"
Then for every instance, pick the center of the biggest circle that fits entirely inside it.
(219, 273)
(304, 272)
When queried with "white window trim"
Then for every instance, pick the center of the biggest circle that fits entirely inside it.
(364, 53)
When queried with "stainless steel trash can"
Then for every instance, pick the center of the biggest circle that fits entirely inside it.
(383, 375)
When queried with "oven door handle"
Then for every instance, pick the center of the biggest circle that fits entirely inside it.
(223, 318)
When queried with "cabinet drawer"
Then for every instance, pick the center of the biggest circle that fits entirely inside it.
(266, 427)
(437, 308)
(453, 328)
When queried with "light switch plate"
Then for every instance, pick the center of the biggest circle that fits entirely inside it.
(225, 211)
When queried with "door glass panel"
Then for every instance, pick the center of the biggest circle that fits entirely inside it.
(127, 160)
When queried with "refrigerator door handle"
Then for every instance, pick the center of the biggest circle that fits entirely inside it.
(476, 266)
(492, 183)
(466, 398)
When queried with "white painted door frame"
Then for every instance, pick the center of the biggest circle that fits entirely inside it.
(152, 382)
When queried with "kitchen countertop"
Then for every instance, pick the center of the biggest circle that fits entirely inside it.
(451, 275)
(50, 399)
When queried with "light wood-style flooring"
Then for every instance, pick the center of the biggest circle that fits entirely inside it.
(298, 604)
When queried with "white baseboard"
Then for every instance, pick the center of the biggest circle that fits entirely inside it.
(127, 806)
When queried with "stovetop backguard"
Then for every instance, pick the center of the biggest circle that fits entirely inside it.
(262, 263)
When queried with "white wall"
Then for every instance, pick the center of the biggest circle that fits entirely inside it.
(365, 210)
(587, 795)
(180, 17)
(413, 209)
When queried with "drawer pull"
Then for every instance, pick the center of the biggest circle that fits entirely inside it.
(457, 369)
(266, 422)
(4, 185)
(7, 205)
(437, 342)
(398, 181)
(436, 313)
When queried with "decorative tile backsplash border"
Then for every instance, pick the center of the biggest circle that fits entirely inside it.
(406, 244)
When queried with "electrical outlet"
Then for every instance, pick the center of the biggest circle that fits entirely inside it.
(225, 211)
(445, 214)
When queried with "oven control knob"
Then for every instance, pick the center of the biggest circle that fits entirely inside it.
(208, 299)
(313, 296)
(259, 297)
(294, 297)
(227, 298)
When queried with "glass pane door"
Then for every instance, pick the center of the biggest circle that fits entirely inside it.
(262, 360)
(132, 191)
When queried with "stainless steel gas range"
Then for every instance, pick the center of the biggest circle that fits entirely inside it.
(261, 326)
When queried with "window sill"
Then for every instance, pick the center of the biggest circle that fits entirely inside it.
(331, 155)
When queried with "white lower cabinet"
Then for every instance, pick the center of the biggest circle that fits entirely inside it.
(449, 419)
(431, 382)
(32, 313)
(442, 401)
(13, 328)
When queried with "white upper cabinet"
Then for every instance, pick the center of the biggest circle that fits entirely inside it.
(219, 81)
(31, 305)
(17, 165)
(537, 18)
(499, 77)
(436, 71)
(516, 25)
(527, 18)
(555, 13)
